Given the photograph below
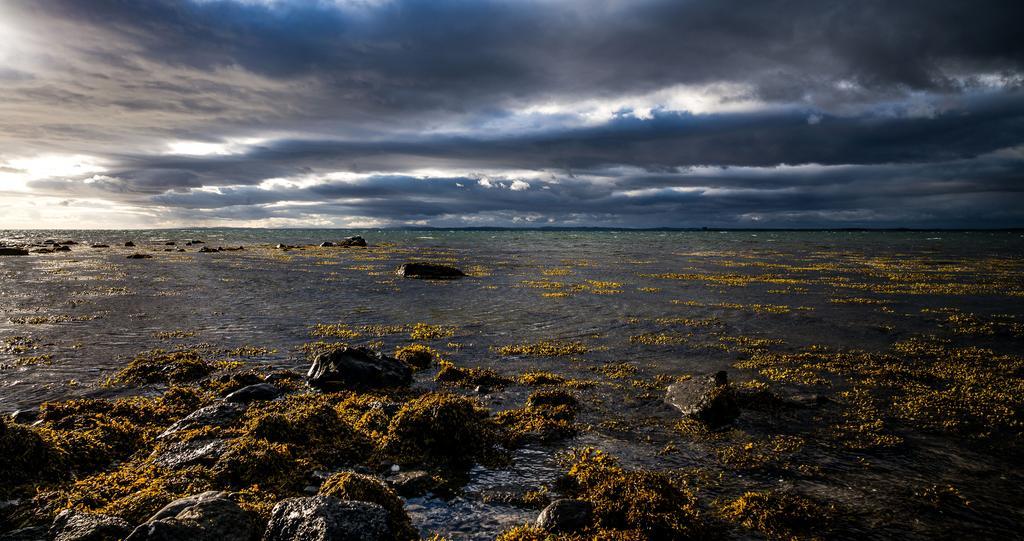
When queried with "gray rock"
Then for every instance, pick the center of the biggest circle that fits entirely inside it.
(566, 516)
(357, 368)
(410, 484)
(708, 399)
(259, 391)
(181, 454)
(429, 271)
(326, 518)
(221, 415)
(353, 241)
(13, 251)
(209, 516)
(77, 526)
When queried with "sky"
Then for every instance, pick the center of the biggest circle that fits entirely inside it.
(514, 113)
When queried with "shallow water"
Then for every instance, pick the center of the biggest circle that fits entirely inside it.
(93, 309)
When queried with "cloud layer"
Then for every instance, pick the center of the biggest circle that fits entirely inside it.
(450, 113)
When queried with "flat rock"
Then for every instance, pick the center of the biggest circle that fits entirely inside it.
(708, 399)
(209, 516)
(429, 271)
(13, 251)
(72, 525)
(357, 368)
(326, 518)
(250, 393)
(565, 516)
(220, 415)
(140, 256)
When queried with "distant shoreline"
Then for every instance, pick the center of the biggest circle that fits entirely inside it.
(570, 229)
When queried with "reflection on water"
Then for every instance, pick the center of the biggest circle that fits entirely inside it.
(664, 303)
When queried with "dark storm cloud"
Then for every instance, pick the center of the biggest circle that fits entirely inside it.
(915, 96)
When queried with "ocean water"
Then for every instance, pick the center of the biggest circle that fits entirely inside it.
(92, 309)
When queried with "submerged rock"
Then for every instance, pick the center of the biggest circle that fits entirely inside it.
(140, 256)
(99, 246)
(353, 241)
(566, 516)
(209, 516)
(326, 518)
(41, 251)
(708, 399)
(129, 244)
(429, 271)
(360, 368)
(219, 415)
(327, 244)
(13, 251)
(72, 525)
(259, 391)
(62, 249)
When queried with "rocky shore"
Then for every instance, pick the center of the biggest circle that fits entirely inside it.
(365, 424)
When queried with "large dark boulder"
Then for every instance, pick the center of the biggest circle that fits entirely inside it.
(209, 516)
(13, 251)
(566, 516)
(429, 271)
(77, 526)
(353, 241)
(708, 399)
(326, 518)
(357, 368)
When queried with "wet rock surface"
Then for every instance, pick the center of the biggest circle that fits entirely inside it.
(566, 516)
(325, 518)
(182, 454)
(708, 399)
(357, 368)
(13, 251)
(209, 516)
